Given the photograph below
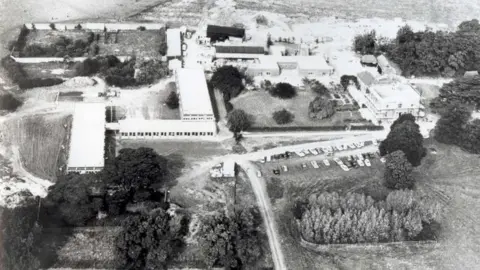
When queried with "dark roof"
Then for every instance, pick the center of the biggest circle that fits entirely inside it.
(366, 77)
(213, 30)
(240, 49)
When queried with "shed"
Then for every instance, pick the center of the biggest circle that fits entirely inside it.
(221, 33)
(470, 74)
(174, 43)
(228, 168)
(369, 60)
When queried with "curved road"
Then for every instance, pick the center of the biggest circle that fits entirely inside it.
(258, 186)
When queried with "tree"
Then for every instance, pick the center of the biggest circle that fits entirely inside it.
(321, 108)
(78, 27)
(20, 235)
(150, 71)
(151, 241)
(283, 117)
(238, 120)
(450, 127)
(398, 171)
(405, 136)
(228, 80)
(469, 26)
(319, 88)
(283, 91)
(365, 43)
(135, 169)
(52, 26)
(162, 49)
(345, 81)
(172, 100)
(9, 102)
(402, 118)
(269, 42)
(72, 199)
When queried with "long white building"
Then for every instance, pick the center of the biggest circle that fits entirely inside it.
(86, 153)
(196, 113)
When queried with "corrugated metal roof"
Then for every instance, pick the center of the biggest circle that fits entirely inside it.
(240, 49)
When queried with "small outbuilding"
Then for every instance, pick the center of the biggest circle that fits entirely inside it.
(228, 168)
(470, 74)
(369, 60)
(384, 66)
(313, 66)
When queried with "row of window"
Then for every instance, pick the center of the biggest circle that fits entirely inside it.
(170, 134)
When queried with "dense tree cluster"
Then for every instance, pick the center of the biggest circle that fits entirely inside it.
(398, 171)
(315, 86)
(151, 241)
(122, 74)
(9, 102)
(465, 91)
(330, 218)
(365, 43)
(283, 90)
(455, 127)
(428, 53)
(405, 135)
(238, 120)
(162, 49)
(345, 81)
(283, 117)
(232, 242)
(150, 71)
(229, 80)
(321, 108)
(62, 47)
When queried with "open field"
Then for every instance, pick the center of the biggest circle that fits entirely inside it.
(42, 141)
(450, 177)
(262, 105)
(139, 43)
(50, 70)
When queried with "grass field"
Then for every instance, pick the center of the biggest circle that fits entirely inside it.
(262, 105)
(139, 43)
(450, 177)
(49, 37)
(50, 70)
(40, 139)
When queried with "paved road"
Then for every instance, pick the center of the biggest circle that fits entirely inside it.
(259, 188)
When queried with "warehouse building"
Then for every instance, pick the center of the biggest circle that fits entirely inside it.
(238, 52)
(221, 33)
(174, 43)
(86, 153)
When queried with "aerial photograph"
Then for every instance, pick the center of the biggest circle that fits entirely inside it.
(239, 134)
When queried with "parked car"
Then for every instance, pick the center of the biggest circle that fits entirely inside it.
(359, 157)
(360, 162)
(259, 174)
(326, 162)
(305, 151)
(364, 155)
(383, 160)
(352, 145)
(319, 150)
(339, 147)
(284, 168)
(371, 155)
(300, 154)
(287, 154)
(375, 142)
(337, 160)
(349, 158)
(269, 158)
(304, 165)
(345, 168)
(314, 164)
(276, 171)
(359, 144)
(349, 164)
(313, 151)
(367, 162)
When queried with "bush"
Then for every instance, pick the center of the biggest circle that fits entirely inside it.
(150, 71)
(283, 91)
(142, 28)
(63, 46)
(78, 27)
(346, 79)
(228, 80)
(9, 102)
(365, 43)
(39, 82)
(398, 171)
(321, 108)
(238, 121)
(283, 117)
(262, 20)
(52, 26)
(172, 100)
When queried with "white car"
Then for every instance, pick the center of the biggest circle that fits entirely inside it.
(345, 168)
(259, 174)
(359, 157)
(326, 162)
(338, 161)
(284, 168)
(314, 164)
(359, 144)
(339, 147)
(313, 151)
(300, 154)
(383, 160)
(367, 162)
(360, 162)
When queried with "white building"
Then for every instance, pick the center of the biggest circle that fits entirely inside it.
(86, 153)
(387, 97)
(196, 113)
(384, 66)
(265, 65)
(305, 65)
(174, 43)
(228, 168)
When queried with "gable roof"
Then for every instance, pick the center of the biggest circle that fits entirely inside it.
(240, 49)
(213, 30)
(366, 77)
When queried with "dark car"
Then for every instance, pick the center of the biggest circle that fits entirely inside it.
(365, 156)
(276, 171)
(287, 154)
(349, 164)
(371, 155)
(355, 164)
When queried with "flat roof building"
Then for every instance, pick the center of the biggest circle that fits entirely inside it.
(86, 153)
(174, 43)
(195, 102)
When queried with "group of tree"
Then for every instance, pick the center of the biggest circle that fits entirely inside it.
(62, 47)
(18, 75)
(345, 81)
(9, 102)
(456, 127)
(283, 90)
(150, 71)
(238, 120)
(463, 90)
(321, 108)
(229, 80)
(365, 43)
(315, 86)
(231, 241)
(398, 171)
(162, 48)
(428, 53)
(151, 240)
(330, 218)
(283, 117)
(21, 42)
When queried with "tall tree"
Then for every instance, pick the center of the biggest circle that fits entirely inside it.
(238, 121)
(283, 91)
(228, 80)
(365, 43)
(405, 136)
(398, 171)
(450, 127)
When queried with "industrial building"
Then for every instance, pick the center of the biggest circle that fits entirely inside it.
(86, 153)
(174, 43)
(221, 33)
(196, 113)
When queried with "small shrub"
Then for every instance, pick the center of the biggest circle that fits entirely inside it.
(142, 28)
(53, 27)
(172, 100)
(283, 117)
(283, 91)
(262, 20)
(9, 102)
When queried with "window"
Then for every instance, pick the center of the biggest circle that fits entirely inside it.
(171, 134)
(399, 105)
(202, 133)
(148, 134)
(140, 133)
(155, 134)
(268, 73)
(132, 134)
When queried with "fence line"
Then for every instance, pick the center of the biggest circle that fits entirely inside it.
(33, 60)
(95, 26)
